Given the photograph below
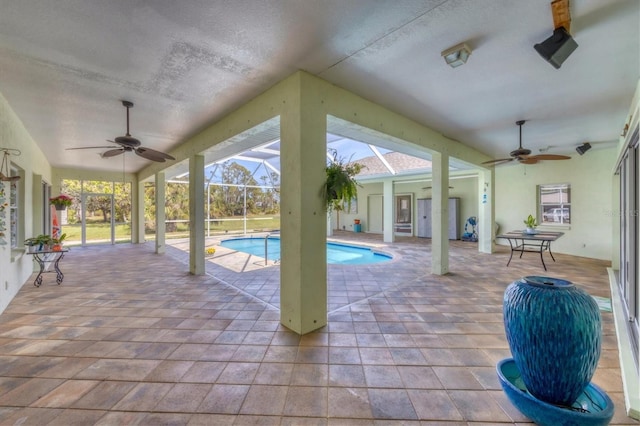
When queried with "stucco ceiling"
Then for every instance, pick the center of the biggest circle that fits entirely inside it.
(65, 66)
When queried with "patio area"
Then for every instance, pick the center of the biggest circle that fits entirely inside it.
(130, 337)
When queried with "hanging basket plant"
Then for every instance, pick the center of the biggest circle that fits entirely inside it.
(61, 202)
(341, 186)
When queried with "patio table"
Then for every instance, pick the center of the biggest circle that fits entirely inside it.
(538, 242)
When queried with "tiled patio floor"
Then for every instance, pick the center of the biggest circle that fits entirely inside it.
(131, 338)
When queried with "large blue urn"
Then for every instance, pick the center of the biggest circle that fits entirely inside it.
(554, 333)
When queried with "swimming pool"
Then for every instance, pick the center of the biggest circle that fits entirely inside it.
(336, 253)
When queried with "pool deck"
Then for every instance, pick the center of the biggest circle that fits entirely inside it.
(130, 337)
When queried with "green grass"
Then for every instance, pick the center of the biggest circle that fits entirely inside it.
(99, 231)
(96, 231)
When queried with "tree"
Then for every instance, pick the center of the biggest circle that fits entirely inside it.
(229, 200)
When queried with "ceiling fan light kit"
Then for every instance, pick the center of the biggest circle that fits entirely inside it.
(128, 143)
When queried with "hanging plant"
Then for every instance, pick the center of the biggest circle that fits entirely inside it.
(61, 202)
(341, 186)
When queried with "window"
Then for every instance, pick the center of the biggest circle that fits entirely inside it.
(629, 275)
(555, 204)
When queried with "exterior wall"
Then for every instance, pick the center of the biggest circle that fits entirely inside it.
(16, 266)
(465, 188)
(589, 234)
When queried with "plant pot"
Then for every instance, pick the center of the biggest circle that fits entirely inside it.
(59, 208)
(554, 333)
(356, 221)
(57, 247)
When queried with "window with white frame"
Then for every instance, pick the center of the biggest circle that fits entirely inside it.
(555, 204)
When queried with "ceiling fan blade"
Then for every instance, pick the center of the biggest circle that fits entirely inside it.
(112, 152)
(142, 151)
(550, 157)
(150, 154)
(88, 147)
(499, 160)
(528, 160)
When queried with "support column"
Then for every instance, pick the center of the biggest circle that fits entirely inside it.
(440, 214)
(486, 211)
(303, 217)
(161, 226)
(137, 211)
(196, 215)
(388, 211)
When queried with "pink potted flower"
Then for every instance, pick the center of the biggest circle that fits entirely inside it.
(61, 202)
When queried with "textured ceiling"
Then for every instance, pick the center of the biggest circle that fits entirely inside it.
(65, 66)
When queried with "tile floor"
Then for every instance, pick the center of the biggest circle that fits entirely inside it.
(131, 338)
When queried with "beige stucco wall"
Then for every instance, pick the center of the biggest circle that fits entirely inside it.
(15, 265)
(591, 180)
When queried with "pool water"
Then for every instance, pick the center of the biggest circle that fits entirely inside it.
(336, 253)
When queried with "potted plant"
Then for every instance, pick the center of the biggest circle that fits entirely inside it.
(530, 223)
(341, 186)
(61, 202)
(39, 243)
(31, 244)
(57, 242)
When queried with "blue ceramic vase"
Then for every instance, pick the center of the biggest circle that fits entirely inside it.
(555, 335)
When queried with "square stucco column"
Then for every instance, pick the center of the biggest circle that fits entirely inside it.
(137, 212)
(388, 203)
(303, 218)
(196, 215)
(160, 201)
(440, 214)
(486, 211)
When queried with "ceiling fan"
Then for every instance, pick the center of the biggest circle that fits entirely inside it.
(129, 143)
(522, 155)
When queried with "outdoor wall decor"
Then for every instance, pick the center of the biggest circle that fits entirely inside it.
(3, 221)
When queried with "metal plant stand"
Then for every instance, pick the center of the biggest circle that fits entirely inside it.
(45, 259)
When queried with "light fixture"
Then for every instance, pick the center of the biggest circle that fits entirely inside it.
(583, 148)
(457, 55)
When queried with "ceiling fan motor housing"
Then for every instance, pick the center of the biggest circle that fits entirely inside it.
(128, 141)
(520, 152)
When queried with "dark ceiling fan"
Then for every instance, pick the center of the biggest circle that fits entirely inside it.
(129, 143)
(522, 155)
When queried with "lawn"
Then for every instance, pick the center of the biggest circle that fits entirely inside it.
(97, 230)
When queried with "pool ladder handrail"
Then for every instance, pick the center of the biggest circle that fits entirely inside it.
(266, 241)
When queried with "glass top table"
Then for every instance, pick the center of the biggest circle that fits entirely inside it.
(538, 242)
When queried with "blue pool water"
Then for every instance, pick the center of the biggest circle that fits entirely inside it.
(336, 253)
